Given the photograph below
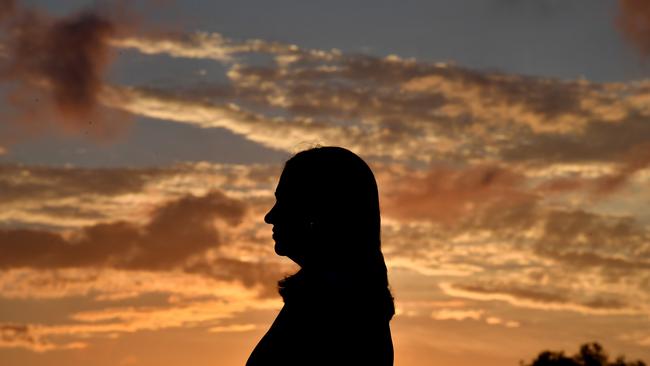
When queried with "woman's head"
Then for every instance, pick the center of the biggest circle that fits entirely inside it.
(326, 217)
(327, 209)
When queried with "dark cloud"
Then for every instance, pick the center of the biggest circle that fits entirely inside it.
(367, 87)
(600, 141)
(631, 160)
(176, 235)
(447, 194)
(20, 335)
(264, 275)
(523, 251)
(56, 67)
(571, 244)
(516, 290)
(68, 211)
(175, 231)
(547, 297)
(634, 23)
(636, 158)
(559, 232)
(7, 8)
(30, 337)
(20, 182)
(10, 332)
(581, 239)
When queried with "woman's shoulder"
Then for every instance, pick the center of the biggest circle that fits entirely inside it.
(333, 296)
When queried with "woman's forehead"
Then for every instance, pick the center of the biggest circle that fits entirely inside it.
(291, 185)
(285, 186)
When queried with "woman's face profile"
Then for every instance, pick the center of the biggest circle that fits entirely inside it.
(291, 221)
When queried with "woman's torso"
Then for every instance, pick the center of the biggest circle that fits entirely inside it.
(315, 329)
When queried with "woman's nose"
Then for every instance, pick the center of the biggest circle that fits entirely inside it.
(268, 218)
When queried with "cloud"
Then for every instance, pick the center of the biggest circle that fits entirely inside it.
(494, 213)
(594, 262)
(599, 142)
(642, 338)
(531, 256)
(115, 321)
(208, 233)
(492, 143)
(7, 8)
(73, 197)
(175, 231)
(472, 314)
(55, 69)
(633, 22)
(233, 328)
(446, 194)
(485, 203)
(24, 182)
(456, 314)
(148, 219)
(380, 107)
(582, 240)
(390, 107)
(262, 275)
(508, 234)
(19, 335)
(634, 160)
(200, 45)
(214, 46)
(128, 319)
(108, 285)
(275, 132)
(548, 299)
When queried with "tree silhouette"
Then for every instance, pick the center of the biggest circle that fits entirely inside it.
(590, 354)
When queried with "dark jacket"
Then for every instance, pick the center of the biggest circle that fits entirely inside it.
(326, 322)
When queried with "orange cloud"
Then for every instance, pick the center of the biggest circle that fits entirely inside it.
(633, 160)
(456, 314)
(629, 162)
(24, 336)
(116, 321)
(205, 235)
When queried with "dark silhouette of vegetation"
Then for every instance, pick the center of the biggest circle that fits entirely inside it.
(590, 354)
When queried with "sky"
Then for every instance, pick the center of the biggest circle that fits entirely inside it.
(141, 143)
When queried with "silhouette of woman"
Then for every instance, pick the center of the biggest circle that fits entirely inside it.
(338, 306)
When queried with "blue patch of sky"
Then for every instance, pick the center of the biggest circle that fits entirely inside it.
(148, 143)
(135, 69)
(565, 39)
(555, 38)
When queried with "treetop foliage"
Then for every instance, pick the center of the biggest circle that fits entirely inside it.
(590, 354)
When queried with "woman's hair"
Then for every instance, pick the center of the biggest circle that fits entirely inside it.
(341, 191)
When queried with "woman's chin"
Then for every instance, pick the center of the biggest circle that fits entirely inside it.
(284, 251)
(280, 249)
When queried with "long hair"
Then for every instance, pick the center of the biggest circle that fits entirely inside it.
(343, 192)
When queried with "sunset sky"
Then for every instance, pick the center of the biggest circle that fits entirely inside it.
(141, 142)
